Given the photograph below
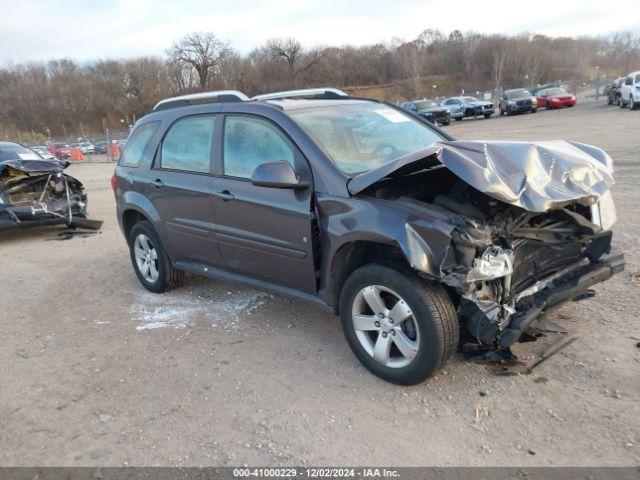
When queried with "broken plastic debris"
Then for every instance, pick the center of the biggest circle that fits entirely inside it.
(495, 262)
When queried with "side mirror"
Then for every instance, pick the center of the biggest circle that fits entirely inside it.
(278, 174)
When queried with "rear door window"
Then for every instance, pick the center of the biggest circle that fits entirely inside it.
(188, 145)
(136, 146)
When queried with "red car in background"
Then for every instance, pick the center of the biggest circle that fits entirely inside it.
(60, 150)
(555, 98)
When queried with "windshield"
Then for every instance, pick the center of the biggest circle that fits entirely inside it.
(363, 136)
(17, 152)
(521, 93)
(424, 104)
(555, 91)
(469, 99)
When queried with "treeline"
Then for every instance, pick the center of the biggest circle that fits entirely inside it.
(66, 98)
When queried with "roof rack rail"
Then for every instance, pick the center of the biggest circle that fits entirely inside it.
(317, 93)
(218, 96)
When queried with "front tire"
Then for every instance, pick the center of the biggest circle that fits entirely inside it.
(401, 327)
(632, 104)
(150, 260)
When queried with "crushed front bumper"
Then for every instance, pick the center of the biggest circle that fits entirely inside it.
(502, 325)
(569, 284)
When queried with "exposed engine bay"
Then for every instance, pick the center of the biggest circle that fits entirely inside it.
(506, 264)
(37, 192)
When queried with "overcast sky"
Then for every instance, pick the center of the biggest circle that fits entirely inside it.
(43, 29)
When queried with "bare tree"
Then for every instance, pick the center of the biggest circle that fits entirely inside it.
(63, 97)
(497, 66)
(201, 51)
(297, 59)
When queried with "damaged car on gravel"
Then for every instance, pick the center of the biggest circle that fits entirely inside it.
(35, 191)
(352, 204)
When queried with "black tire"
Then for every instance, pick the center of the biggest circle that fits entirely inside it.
(458, 119)
(168, 276)
(446, 124)
(534, 110)
(632, 104)
(487, 115)
(433, 312)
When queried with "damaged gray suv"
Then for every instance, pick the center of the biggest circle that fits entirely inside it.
(369, 211)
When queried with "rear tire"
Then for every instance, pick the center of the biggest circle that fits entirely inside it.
(487, 115)
(632, 104)
(150, 260)
(425, 319)
(534, 110)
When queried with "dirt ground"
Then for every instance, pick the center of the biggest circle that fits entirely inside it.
(96, 371)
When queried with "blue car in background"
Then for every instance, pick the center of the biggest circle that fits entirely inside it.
(461, 107)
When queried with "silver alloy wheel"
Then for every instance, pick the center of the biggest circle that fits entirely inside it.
(385, 326)
(146, 258)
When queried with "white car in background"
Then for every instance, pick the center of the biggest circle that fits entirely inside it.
(87, 148)
(630, 91)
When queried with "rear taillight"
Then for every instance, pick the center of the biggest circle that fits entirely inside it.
(114, 183)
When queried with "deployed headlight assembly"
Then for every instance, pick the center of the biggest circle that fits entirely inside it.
(603, 213)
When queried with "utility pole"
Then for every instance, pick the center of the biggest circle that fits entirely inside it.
(598, 82)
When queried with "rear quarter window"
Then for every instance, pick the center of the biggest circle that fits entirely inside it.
(137, 144)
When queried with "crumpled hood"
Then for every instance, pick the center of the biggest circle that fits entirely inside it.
(536, 176)
(37, 167)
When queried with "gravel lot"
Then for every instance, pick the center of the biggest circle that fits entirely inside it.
(97, 371)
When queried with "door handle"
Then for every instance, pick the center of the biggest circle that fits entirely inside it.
(158, 183)
(225, 195)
